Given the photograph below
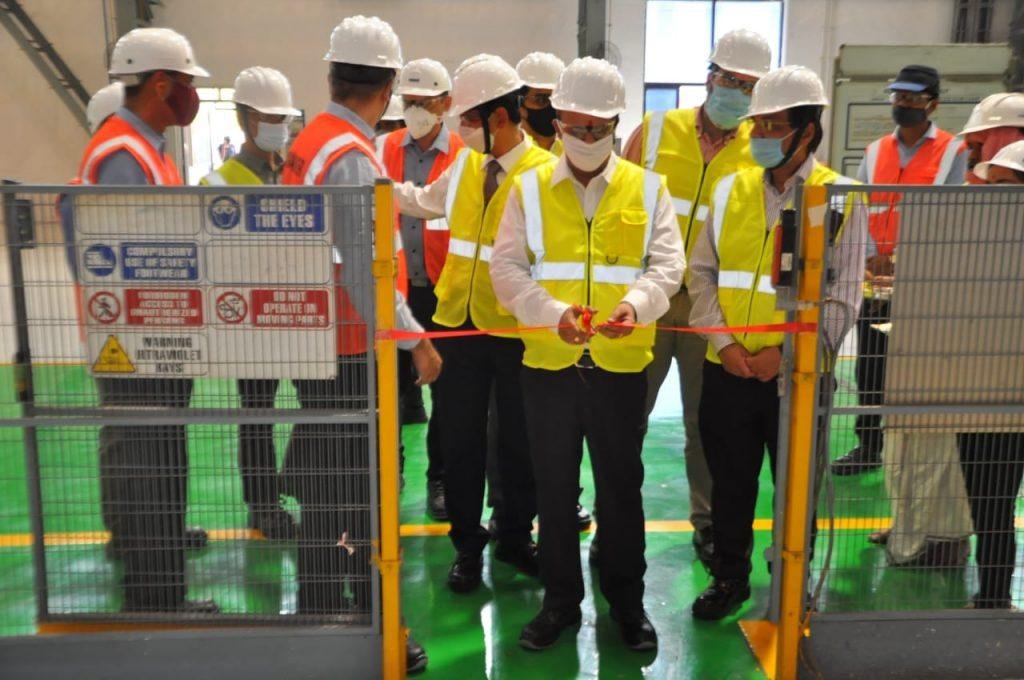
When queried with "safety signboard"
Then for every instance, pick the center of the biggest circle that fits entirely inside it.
(237, 286)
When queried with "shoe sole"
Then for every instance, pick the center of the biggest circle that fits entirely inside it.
(732, 610)
(851, 470)
(530, 647)
(417, 667)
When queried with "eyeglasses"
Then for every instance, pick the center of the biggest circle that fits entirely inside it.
(771, 126)
(912, 98)
(720, 77)
(425, 102)
(581, 131)
(537, 100)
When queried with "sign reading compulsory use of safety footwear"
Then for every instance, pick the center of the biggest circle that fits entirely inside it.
(237, 286)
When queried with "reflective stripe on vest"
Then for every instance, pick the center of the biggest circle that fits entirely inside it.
(332, 147)
(117, 134)
(464, 291)
(214, 179)
(617, 242)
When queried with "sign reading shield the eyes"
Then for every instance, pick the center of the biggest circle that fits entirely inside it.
(215, 285)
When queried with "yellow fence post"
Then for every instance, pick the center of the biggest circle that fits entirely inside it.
(389, 557)
(801, 436)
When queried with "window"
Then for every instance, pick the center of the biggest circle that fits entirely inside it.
(681, 34)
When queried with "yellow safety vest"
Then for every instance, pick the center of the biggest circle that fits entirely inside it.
(669, 146)
(464, 286)
(745, 252)
(231, 172)
(592, 265)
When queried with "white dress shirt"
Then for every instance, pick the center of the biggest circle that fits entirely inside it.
(532, 305)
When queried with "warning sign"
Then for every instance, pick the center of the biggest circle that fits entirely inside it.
(170, 355)
(269, 213)
(164, 306)
(104, 307)
(113, 358)
(231, 307)
(160, 261)
(290, 308)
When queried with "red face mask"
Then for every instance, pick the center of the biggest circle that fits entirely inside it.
(183, 103)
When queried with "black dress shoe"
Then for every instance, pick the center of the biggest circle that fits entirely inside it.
(704, 546)
(858, 461)
(637, 631)
(464, 576)
(544, 629)
(435, 500)
(196, 538)
(415, 657)
(722, 598)
(273, 522)
(523, 557)
(583, 518)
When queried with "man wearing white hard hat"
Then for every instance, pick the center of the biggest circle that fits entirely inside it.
(588, 235)
(337, 148)
(997, 121)
(739, 407)
(144, 470)
(104, 102)
(419, 154)
(539, 72)
(693, 148)
(263, 106)
(993, 462)
(471, 195)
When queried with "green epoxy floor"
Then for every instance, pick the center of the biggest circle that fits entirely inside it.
(467, 636)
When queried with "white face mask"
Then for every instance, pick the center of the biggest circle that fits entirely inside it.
(271, 136)
(474, 138)
(587, 157)
(419, 121)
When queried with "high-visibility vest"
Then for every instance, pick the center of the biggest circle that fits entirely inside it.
(592, 265)
(670, 147)
(117, 134)
(745, 248)
(464, 288)
(231, 172)
(930, 164)
(435, 232)
(326, 139)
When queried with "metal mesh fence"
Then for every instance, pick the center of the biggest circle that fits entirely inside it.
(179, 439)
(925, 432)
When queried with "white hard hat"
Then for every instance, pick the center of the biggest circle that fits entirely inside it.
(743, 51)
(395, 110)
(540, 70)
(1003, 109)
(142, 50)
(786, 88)
(365, 41)
(591, 86)
(480, 79)
(423, 78)
(102, 104)
(1010, 156)
(266, 90)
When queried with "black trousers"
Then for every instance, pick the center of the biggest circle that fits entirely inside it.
(143, 490)
(993, 466)
(872, 346)
(423, 304)
(257, 459)
(327, 469)
(471, 367)
(739, 419)
(607, 409)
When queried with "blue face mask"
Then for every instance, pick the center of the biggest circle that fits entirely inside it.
(767, 151)
(726, 106)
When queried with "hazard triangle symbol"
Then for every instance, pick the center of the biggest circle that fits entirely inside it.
(113, 358)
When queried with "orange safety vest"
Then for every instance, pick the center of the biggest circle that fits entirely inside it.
(326, 139)
(929, 165)
(435, 232)
(117, 134)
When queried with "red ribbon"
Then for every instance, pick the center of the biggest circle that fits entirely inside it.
(795, 327)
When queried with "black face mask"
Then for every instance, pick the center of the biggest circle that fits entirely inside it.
(908, 117)
(542, 121)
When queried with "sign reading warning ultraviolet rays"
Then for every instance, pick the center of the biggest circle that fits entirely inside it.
(220, 286)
